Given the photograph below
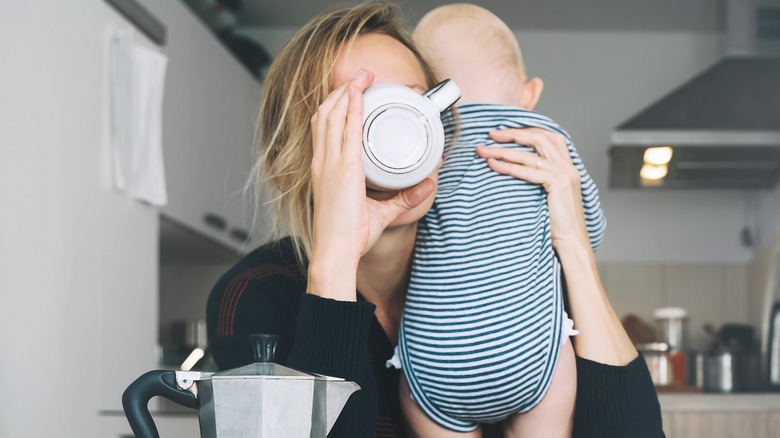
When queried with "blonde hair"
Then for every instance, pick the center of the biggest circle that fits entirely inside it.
(451, 34)
(297, 82)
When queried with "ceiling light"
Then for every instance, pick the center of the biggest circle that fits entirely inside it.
(653, 171)
(658, 155)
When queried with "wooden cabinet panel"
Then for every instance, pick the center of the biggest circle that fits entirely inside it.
(748, 415)
(717, 424)
(634, 288)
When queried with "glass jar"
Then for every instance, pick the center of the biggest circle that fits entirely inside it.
(660, 363)
(672, 327)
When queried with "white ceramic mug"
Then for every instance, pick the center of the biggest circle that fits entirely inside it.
(403, 137)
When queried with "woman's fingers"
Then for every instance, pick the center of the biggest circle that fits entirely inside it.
(335, 124)
(524, 165)
(551, 147)
(345, 120)
(320, 143)
(547, 144)
(513, 155)
(353, 132)
(526, 173)
(403, 201)
(329, 123)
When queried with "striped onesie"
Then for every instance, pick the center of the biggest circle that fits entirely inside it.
(484, 319)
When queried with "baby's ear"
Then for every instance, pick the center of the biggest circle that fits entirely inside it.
(532, 91)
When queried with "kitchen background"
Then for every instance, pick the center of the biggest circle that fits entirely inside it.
(92, 281)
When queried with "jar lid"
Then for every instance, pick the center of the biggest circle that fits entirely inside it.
(670, 313)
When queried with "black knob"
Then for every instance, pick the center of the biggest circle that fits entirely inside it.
(264, 346)
(215, 221)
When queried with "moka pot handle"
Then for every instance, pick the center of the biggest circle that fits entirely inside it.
(136, 398)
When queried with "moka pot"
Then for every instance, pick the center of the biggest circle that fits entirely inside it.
(260, 400)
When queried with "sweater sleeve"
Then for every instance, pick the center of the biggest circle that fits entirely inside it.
(331, 339)
(616, 401)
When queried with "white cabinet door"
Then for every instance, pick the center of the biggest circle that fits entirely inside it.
(123, 269)
(209, 117)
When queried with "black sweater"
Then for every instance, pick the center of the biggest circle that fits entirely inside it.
(265, 293)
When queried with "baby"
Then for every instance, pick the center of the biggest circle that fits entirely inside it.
(484, 337)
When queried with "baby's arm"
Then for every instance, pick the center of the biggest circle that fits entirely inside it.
(591, 205)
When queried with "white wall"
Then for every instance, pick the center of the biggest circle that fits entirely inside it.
(712, 293)
(593, 82)
(70, 247)
(767, 217)
(761, 283)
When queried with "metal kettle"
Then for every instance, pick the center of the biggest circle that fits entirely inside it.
(260, 400)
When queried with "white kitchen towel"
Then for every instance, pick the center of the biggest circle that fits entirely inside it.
(138, 83)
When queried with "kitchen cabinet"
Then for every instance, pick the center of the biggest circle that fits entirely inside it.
(209, 117)
(720, 415)
(127, 304)
(125, 271)
(78, 265)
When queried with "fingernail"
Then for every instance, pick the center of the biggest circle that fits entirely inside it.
(352, 92)
(359, 74)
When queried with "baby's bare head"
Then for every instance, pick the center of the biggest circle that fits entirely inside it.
(472, 46)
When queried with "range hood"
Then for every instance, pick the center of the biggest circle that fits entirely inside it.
(723, 126)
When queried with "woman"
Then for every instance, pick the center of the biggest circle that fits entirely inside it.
(344, 238)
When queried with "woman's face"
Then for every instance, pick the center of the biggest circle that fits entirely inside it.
(390, 61)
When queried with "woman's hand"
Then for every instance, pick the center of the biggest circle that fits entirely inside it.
(551, 167)
(346, 223)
